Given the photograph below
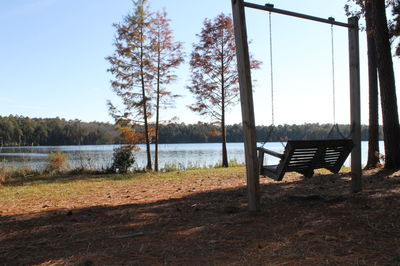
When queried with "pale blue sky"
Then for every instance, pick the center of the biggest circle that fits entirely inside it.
(52, 58)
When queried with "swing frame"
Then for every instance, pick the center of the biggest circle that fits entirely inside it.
(246, 95)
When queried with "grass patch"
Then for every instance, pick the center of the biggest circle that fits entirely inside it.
(57, 187)
(60, 186)
(8, 173)
(231, 163)
(172, 167)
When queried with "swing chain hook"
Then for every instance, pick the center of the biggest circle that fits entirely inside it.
(269, 6)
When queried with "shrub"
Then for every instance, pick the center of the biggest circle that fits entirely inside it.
(171, 167)
(58, 161)
(232, 163)
(10, 172)
(123, 159)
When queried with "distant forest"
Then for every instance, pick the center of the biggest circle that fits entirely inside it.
(25, 131)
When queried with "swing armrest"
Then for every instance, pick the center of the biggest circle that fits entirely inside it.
(273, 153)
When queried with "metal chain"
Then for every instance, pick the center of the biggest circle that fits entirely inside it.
(272, 71)
(333, 76)
(271, 127)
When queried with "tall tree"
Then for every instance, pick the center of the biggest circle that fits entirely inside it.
(391, 128)
(367, 9)
(373, 131)
(168, 56)
(131, 66)
(214, 78)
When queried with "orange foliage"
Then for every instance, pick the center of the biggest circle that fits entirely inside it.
(58, 161)
(215, 133)
(131, 136)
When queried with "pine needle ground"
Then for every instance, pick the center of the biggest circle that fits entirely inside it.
(200, 217)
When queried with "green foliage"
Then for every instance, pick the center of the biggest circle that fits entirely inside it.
(394, 26)
(123, 159)
(25, 131)
(200, 132)
(57, 162)
(232, 163)
(16, 130)
(171, 167)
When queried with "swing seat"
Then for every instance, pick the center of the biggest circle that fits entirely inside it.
(304, 156)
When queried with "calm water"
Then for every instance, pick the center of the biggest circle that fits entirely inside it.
(100, 156)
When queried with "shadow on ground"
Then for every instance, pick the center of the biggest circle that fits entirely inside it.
(67, 178)
(316, 221)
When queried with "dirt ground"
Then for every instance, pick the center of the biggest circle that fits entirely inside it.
(204, 221)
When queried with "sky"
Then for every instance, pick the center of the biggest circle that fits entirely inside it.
(53, 59)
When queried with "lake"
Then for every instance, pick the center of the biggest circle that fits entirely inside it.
(181, 156)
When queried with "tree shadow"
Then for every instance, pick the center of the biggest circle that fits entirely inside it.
(67, 178)
(301, 222)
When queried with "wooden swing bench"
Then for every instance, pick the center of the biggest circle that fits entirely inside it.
(304, 156)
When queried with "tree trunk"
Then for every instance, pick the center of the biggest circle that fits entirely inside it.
(146, 129)
(157, 112)
(223, 127)
(391, 129)
(373, 129)
(224, 150)
(156, 147)
(223, 130)
(146, 125)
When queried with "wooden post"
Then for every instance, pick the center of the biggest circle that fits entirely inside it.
(246, 99)
(355, 110)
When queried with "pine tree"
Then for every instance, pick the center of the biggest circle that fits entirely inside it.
(168, 56)
(132, 67)
(373, 131)
(379, 60)
(391, 127)
(214, 78)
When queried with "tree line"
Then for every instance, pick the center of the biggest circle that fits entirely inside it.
(25, 131)
(209, 133)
